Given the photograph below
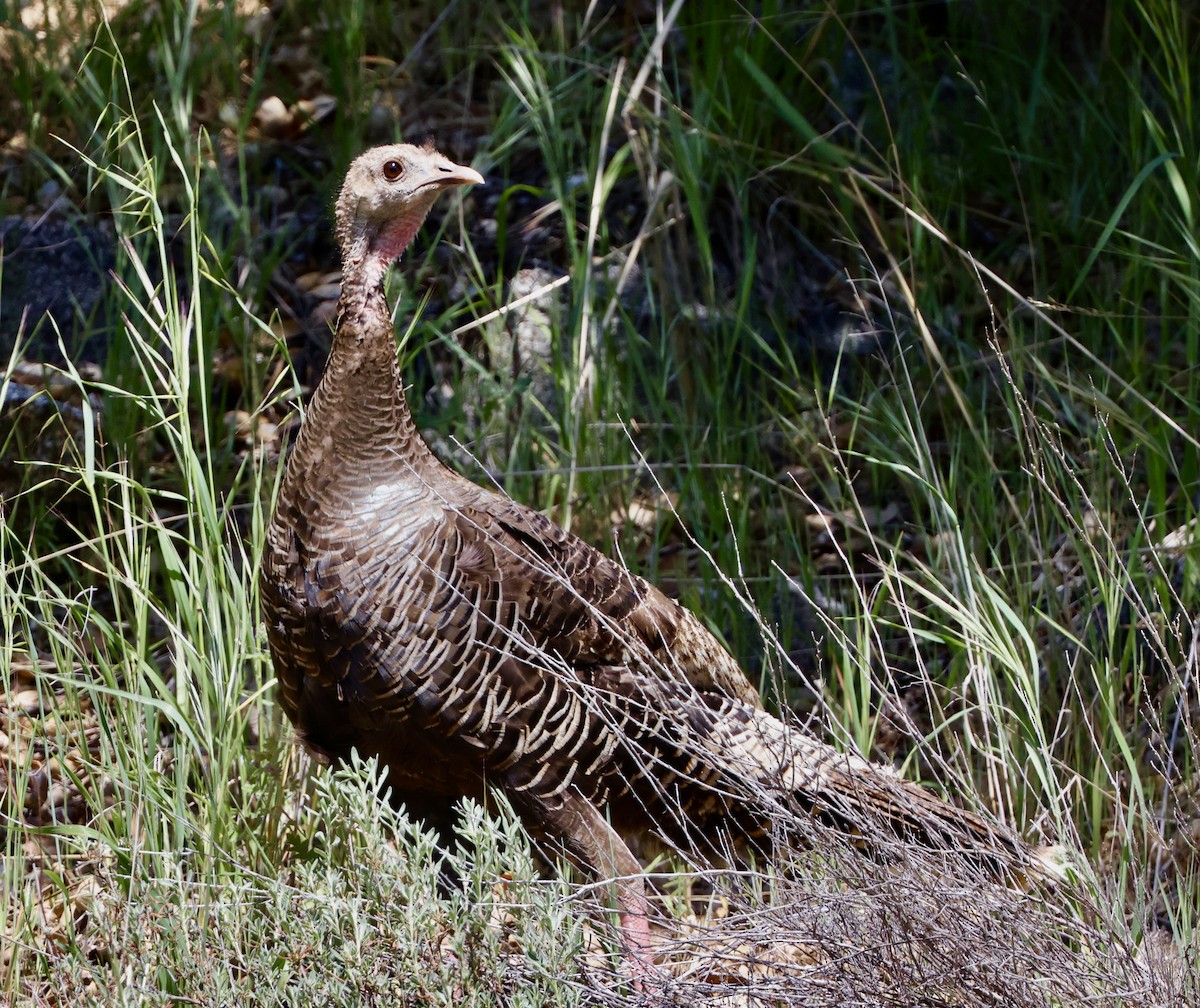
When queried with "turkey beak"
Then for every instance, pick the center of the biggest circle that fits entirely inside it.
(445, 174)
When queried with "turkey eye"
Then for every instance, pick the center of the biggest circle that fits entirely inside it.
(392, 170)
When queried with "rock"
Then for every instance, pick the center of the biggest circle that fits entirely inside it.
(520, 345)
(59, 271)
(44, 420)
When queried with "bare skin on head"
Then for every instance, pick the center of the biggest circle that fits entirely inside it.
(385, 199)
(475, 646)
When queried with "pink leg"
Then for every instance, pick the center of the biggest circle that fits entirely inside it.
(601, 849)
(635, 933)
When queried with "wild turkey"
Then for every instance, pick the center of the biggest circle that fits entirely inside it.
(472, 644)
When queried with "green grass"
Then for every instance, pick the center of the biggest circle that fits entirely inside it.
(987, 526)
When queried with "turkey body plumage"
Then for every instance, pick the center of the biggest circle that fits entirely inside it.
(472, 644)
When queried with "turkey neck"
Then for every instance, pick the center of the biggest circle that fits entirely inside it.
(359, 419)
